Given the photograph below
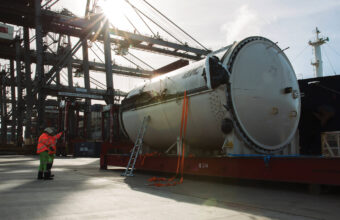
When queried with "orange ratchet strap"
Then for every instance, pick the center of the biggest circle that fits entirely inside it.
(180, 160)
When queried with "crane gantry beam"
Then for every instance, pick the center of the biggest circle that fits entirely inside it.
(22, 15)
(28, 96)
(8, 52)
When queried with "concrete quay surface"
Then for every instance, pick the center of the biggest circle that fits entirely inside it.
(80, 190)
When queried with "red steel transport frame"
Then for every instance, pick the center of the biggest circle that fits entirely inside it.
(311, 170)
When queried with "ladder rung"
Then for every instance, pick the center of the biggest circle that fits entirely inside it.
(136, 149)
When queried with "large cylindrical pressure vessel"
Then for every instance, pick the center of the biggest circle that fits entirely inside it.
(251, 83)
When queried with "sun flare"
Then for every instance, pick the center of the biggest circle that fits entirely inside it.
(115, 11)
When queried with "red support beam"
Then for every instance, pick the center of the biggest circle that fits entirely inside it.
(310, 170)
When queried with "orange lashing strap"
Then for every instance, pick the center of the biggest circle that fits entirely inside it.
(180, 160)
(183, 142)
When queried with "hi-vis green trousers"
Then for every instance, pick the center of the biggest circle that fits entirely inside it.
(44, 159)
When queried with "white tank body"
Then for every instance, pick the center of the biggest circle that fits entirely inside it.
(254, 86)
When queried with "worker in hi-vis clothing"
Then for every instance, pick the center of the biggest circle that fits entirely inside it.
(46, 149)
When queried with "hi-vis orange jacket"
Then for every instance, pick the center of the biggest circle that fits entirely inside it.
(48, 143)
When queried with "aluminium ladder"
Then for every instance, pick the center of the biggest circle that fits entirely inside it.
(137, 147)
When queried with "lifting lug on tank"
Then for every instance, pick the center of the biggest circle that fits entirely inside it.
(295, 94)
(288, 90)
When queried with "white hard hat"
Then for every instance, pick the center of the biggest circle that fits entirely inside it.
(49, 130)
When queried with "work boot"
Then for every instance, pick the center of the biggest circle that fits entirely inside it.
(49, 167)
(47, 176)
(40, 175)
(50, 174)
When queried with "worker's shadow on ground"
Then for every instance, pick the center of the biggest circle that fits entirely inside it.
(262, 198)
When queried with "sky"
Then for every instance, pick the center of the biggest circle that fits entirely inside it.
(217, 23)
(290, 23)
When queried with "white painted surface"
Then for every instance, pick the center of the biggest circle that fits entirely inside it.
(259, 76)
(266, 115)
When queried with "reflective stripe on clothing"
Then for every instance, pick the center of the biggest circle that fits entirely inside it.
(42, 148)
(48, 143)
(42, 143)
(53, 142)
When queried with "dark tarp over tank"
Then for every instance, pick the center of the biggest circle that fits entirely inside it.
(320, 111)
